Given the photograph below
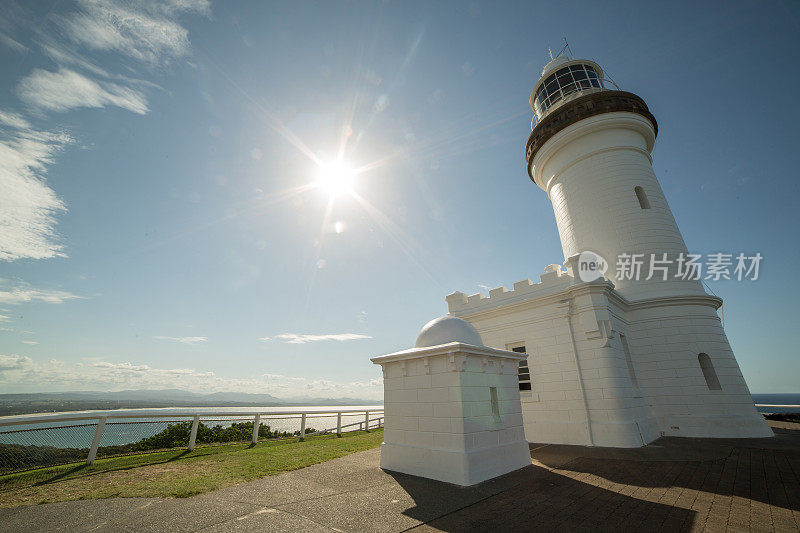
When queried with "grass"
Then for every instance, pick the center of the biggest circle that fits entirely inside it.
(177, 473)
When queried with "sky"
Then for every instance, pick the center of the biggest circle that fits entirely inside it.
(159, 227)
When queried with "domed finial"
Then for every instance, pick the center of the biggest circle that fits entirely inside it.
(447, 329)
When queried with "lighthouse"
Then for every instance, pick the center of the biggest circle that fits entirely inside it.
(591, 153)
(623, 345)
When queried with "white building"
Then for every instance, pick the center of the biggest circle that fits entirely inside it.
(452, 407)
(611, 362)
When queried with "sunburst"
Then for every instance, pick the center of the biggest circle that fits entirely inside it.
(336, 178)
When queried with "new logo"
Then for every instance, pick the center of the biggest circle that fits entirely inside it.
(591, 266)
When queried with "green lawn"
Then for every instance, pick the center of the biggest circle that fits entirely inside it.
(177, 473)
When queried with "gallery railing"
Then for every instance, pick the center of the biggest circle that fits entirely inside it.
(31, 442)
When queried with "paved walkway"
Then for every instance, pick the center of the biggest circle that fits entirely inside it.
(672, 484)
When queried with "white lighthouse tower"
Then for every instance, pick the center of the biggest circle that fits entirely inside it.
(638, 353)
(590, 152)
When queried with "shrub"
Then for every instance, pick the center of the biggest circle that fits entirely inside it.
(15, 457)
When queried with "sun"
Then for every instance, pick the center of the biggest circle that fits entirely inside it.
(335, 177)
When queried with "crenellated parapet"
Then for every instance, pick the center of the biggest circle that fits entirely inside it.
(553, 280)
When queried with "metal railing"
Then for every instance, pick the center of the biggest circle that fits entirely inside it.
(29, 442)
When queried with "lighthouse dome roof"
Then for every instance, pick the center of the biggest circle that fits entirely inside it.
(555, 63)
(447, 329)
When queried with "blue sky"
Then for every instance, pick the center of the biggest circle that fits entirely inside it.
(156, 228)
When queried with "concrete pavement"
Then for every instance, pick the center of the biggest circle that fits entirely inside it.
(672, 484)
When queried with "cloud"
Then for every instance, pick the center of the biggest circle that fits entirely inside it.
(14, 362)
(24, 293)
(294, 338)
(29, 342)
(13, 120)
(144, 30)
(64, 55)
(28, 206)
(124, 367)
(13, 43)
(66, 89)
(184, 340)
(21, 373)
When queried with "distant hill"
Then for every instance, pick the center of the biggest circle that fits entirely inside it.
(27, 403)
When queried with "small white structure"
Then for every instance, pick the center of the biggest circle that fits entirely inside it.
(452, 407)
(612, 361)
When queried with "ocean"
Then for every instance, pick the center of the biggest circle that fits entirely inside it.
(778, 399)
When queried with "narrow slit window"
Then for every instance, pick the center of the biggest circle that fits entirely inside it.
(629, 361)
(644, 203)
(495, 402)
(708, 372)
(524, 373)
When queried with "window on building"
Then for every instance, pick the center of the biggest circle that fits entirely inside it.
(524, 373)
(631, 371)
(644, 203)
(708, 372)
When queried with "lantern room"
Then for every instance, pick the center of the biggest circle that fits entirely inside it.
(563, 79)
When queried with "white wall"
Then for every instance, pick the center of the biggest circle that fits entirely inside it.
(664, 338)
(666, 342)
(590, 171)
(439, 422)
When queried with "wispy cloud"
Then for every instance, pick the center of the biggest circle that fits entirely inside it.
(12, 43)
(29, 205)
(23, 373)
(12, 120)
(24, 293)
(29, 342)
(144, 30)
(66, 89)
(184, 340)
(130, 367)
(294, 338)
(66, 55)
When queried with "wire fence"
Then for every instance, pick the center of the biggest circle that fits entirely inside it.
(23, 449)
(58, 442)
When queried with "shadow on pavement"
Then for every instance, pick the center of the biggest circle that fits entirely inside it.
(765, 469)
(534, 498)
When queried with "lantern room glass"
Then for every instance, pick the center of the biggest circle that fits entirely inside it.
(565, 81)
